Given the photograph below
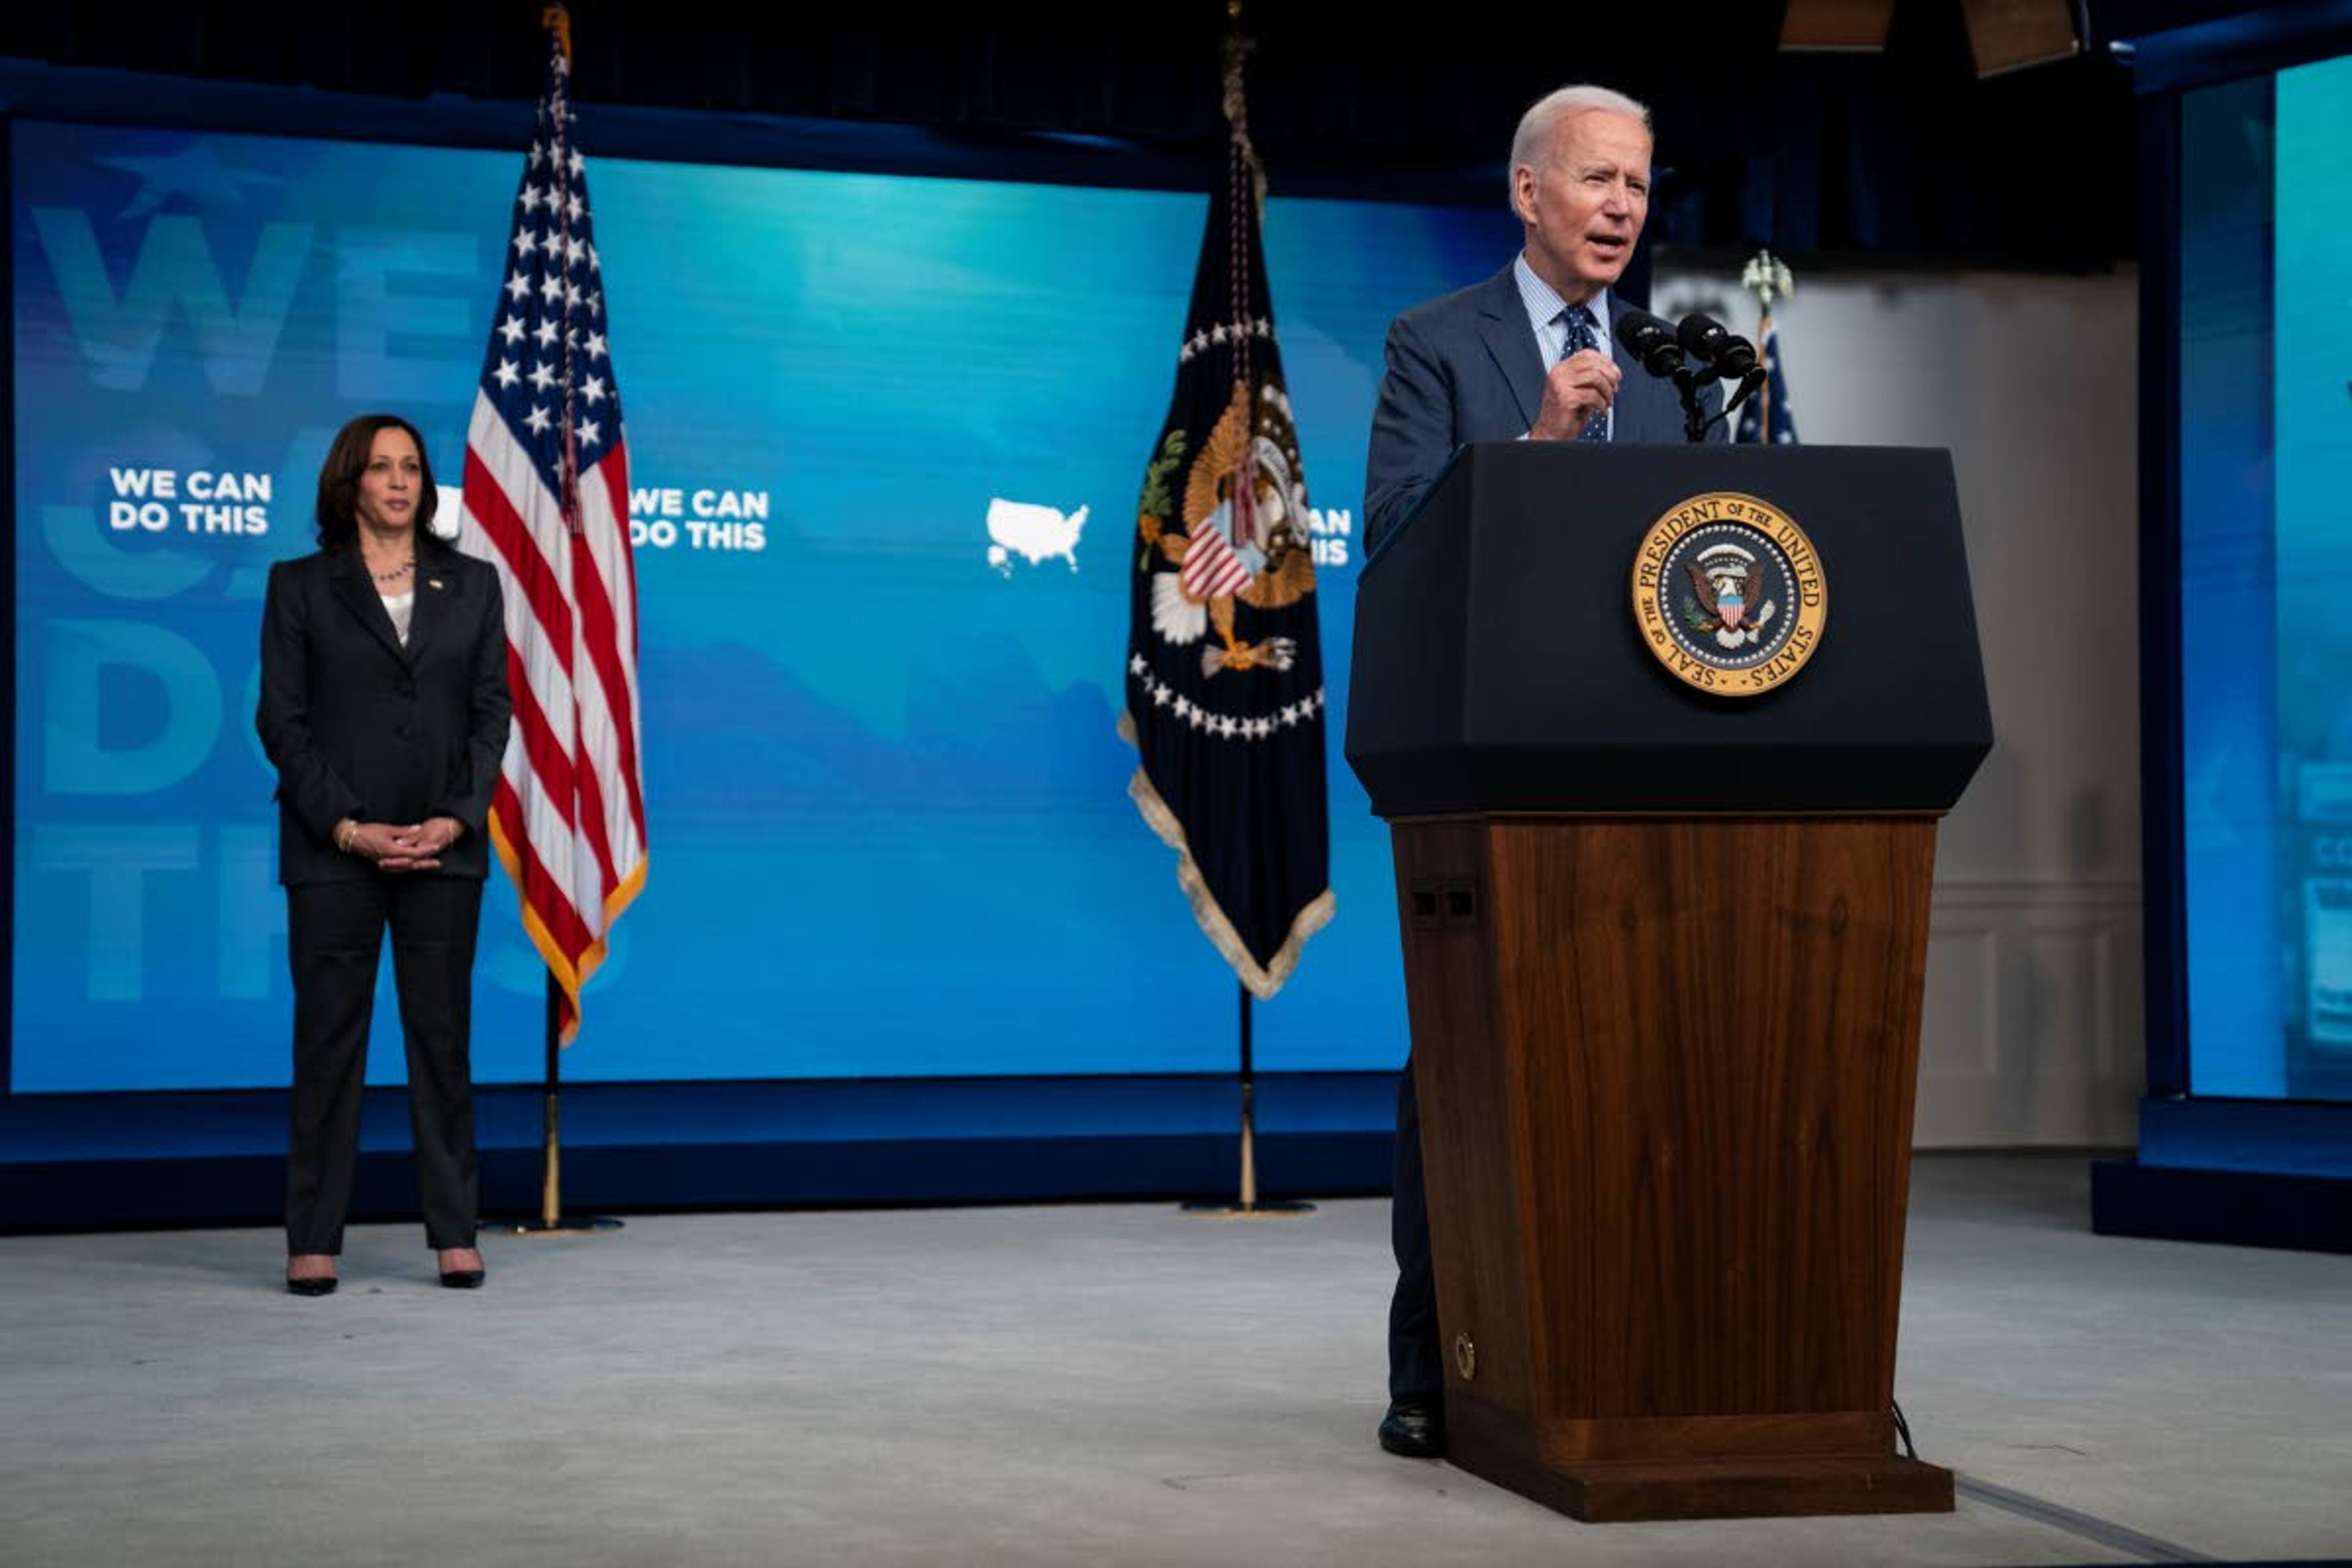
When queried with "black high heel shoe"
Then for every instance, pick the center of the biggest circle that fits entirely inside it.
(311, 1284)
(462, 1279)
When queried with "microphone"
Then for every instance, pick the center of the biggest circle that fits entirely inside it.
(1704, 337)
(1650, 341)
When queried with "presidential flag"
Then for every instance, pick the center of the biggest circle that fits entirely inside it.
(546, 503)
(1766, 416)
(1224, 665)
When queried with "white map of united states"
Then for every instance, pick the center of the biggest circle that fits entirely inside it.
(1036, 534)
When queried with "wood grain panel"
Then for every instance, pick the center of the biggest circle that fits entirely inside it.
(1466, 1079)
(1667, 1069)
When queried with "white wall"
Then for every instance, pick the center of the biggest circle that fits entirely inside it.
(2033, 1016)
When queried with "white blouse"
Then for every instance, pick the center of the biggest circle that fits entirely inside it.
(401, 608)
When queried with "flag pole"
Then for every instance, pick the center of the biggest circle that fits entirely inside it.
(1241, 169)
(1767, 278)
(551, 1150)
(1250, 1207)
(552, 1220)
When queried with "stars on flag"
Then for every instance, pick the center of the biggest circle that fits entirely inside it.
(1260, 327)
(548, 372)
(1223, 726)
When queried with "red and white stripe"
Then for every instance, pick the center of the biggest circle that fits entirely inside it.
(569, 816)
(1211, 569)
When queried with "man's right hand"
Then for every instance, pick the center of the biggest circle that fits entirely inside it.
(1580, 389)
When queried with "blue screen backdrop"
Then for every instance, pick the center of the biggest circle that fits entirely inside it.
(890, 828)
(2267, 730)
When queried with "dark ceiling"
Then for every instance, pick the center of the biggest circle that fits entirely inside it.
(1903, 154)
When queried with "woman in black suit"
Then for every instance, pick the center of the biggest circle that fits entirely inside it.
(384, 709)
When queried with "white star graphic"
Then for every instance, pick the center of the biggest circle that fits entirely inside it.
(538, 155)
(593, 389)
(593, 264)
(596, 346)
(541, 376)
(525, 242)
(506, 373)
(590, 433)
(546, 333)
(1184, 707)
(1160, 695)
(574, 248)
(572, 206)
(539, 422)
(512, 328)
(516, 286)
(1136, 666)
(552, 290)
(578, 162)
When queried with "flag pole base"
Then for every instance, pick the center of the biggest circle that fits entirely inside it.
(1263, 1208)
(565, 1225)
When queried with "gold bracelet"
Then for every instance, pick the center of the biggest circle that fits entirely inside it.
(344, 832)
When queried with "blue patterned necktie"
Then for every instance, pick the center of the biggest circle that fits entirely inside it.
(1582, 335)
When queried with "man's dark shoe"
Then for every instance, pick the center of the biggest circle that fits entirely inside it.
(1414, 1428)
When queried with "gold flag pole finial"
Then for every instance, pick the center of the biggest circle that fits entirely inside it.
(1767, 278)
(558, 20)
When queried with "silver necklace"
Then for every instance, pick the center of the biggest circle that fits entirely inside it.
(396, 573)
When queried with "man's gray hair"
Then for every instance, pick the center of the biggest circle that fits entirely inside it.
(1536, 126)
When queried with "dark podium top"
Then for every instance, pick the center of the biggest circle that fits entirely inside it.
(1498, 666)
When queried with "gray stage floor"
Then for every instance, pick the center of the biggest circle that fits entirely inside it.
(1077, 1385)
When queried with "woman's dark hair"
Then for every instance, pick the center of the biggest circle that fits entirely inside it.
(339, 480)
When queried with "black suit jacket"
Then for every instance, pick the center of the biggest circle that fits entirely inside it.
(1467, 367)
(359, 726)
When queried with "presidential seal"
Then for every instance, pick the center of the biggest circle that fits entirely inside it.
(1728, 594)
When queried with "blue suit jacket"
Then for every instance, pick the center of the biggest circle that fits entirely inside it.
(1467, 367)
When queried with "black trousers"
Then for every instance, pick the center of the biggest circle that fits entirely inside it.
(1414, 1370)
(335, 937)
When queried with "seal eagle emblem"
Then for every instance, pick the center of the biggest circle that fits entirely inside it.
(1730, 595)
(1238, 534)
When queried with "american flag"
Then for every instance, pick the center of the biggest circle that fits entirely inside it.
(547, 486)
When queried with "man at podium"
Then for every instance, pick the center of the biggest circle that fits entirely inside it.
(1529, 354)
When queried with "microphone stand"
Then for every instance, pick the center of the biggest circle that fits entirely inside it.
(1694, 420)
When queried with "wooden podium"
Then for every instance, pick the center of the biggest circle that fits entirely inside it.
(1663, 953)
